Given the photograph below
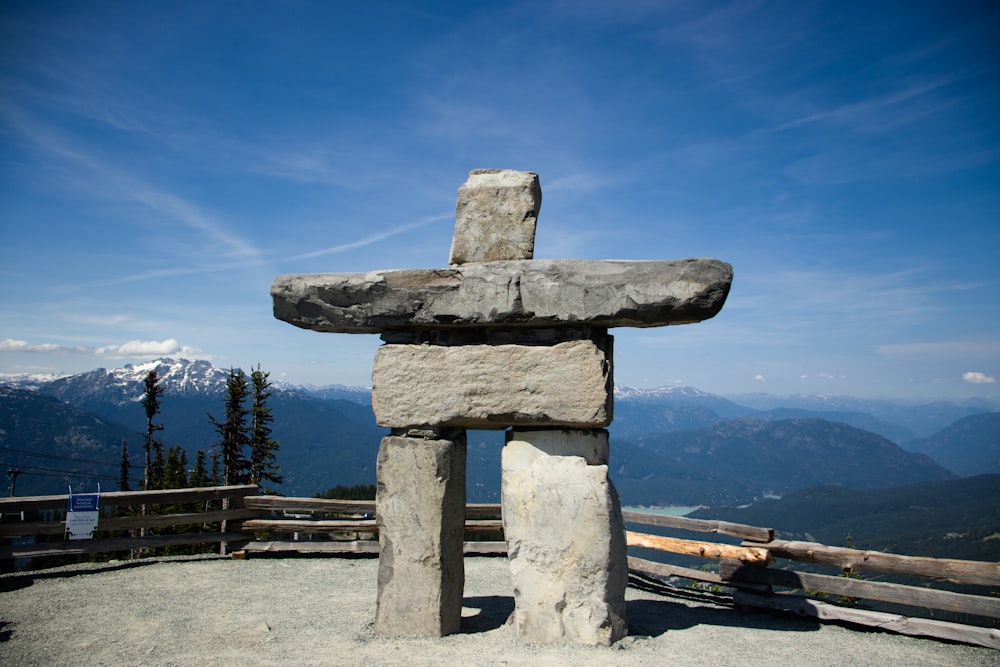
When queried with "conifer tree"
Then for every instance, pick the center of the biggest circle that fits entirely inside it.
(175, 469)
(263, 448)
(157, 468)
(153, 470)
(233, 437)
(124, 469)
(216, 472)
(199, 474)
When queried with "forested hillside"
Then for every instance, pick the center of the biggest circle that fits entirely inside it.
(947, 519)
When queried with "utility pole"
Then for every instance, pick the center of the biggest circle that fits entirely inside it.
(12, 474)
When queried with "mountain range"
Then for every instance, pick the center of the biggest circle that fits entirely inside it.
(673, 445)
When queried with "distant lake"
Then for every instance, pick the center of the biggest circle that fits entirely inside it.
(676, 510)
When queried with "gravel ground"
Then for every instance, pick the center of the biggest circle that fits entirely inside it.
(212, 611)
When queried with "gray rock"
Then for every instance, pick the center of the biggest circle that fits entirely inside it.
(494, 386)
(420, 513)
(495, 217)
(526, 293)
(565, 538)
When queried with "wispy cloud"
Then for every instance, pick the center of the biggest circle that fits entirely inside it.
(130, 349)
(880, 113)
(13, 345)
(113, 182)
(147, 348)
(944, 348)
(900, 297)
(372, 238)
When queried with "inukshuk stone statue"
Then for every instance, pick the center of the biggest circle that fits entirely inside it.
(501, 341)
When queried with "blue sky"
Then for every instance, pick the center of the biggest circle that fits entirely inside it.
(161, 163)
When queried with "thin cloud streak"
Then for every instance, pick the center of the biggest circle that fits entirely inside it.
(123, 187)
(129, 349)
(944, 348)
(370, 239)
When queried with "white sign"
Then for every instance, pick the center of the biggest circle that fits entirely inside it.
(82, 515)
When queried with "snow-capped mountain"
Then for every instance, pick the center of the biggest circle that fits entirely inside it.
(29, 381)
(632, 393)
(125, 385)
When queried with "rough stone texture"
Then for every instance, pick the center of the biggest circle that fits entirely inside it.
(565, 537)
(533, 293)
(420, 513)
(495, 217)
(494, 386)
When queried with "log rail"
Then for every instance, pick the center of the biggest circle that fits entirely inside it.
(747, 568)
(229, 519)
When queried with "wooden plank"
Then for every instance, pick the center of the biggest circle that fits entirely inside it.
(311, 505)
(292, 504)
(24, 528)
(918, 627)
(347, 526)
(360, 546)
(914, 596)
(115, 544)
(484, 548)
(17, 504)
(857, 560)
(306, 526)
(744, 554)
(477, 526)
(666, 570)
(307, 547)
(740, 530)
(483, 511)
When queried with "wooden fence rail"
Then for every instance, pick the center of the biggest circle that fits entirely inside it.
(745, 568)
(230, 497)
(348, 525)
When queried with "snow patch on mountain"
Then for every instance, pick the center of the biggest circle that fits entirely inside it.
(626, 392)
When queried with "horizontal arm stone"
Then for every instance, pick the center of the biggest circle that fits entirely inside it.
(517, 293)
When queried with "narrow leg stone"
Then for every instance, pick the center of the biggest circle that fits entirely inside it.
(565, 537)
(420, 513)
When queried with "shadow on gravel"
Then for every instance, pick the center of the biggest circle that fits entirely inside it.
(654, 617)
(14, 582)
(5, 632)
(493, 612)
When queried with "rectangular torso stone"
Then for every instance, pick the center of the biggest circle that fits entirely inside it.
(494, 386)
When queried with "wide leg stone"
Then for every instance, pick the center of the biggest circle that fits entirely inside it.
(565, 537)
(420, 512)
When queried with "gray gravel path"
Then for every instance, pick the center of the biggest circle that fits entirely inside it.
(211, 611)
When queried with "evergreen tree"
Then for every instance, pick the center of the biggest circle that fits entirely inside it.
(233, 438)
(153, 470)
(124, 469)
(175, 469)
(263, 448)
(157, 469)
(216, 472)
(199, 475)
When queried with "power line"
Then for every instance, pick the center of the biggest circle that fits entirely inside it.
(48, 472)
(56, 457)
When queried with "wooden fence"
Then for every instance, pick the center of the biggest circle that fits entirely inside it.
(250, 524)
(747, 567)
(229, 515)
(348, 527)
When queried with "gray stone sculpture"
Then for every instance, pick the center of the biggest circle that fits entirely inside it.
(501, 341)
